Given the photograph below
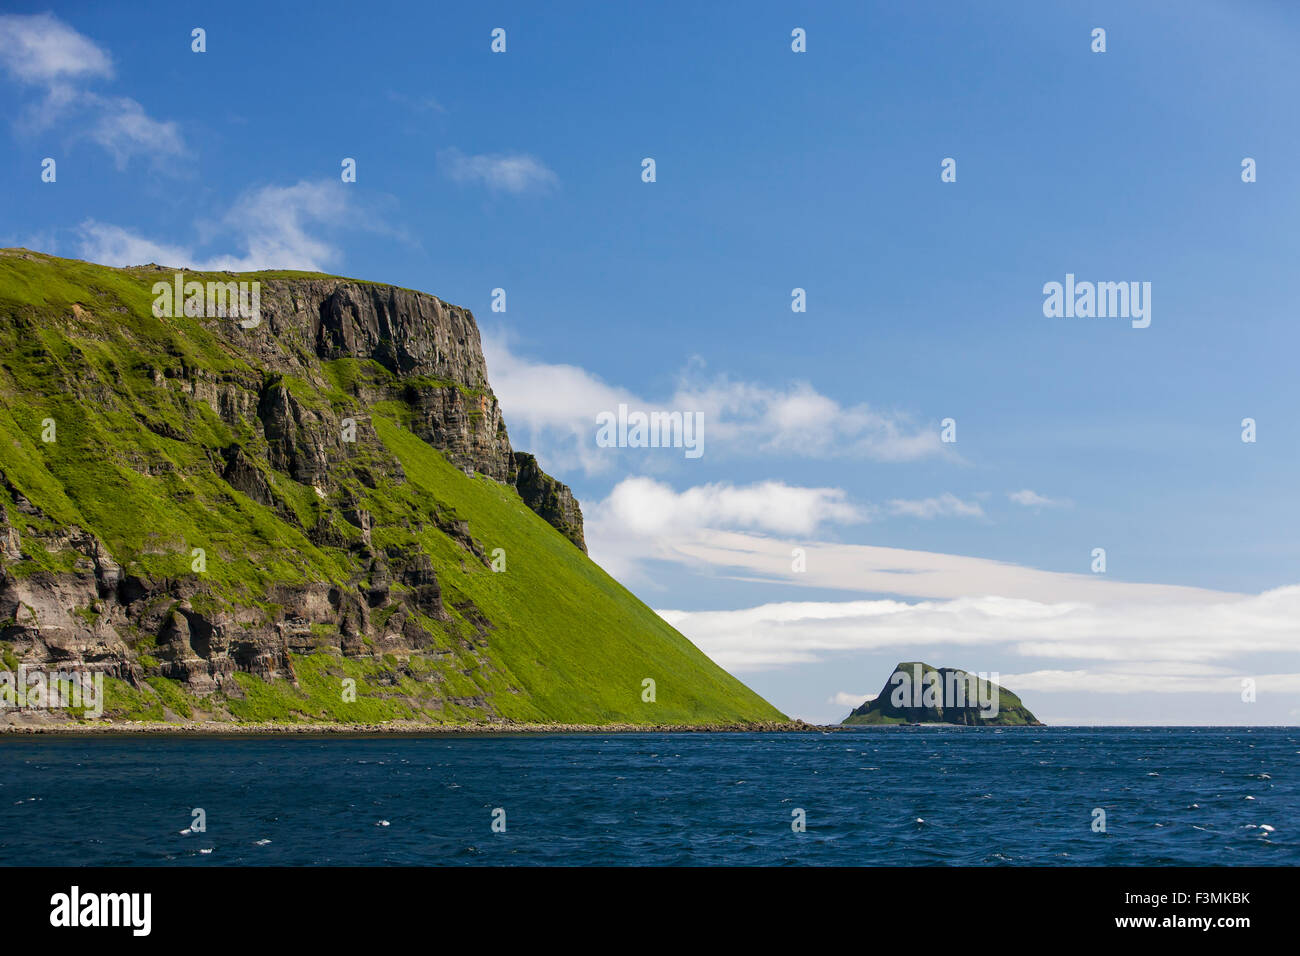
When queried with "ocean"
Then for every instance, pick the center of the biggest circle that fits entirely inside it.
(879, 796)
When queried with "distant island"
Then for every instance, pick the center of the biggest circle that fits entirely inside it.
(917, 693)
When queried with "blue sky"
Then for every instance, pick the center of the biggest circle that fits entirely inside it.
(777, 170)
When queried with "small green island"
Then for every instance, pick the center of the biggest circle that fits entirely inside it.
(918, 693)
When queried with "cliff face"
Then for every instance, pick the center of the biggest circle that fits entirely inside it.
(183, 499)
(918, 693)
(419, 350)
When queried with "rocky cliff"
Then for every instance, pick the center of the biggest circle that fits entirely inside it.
(919, 693)
(330, 494)
(412, 347)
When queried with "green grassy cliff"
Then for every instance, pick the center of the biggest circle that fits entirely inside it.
(184, 508)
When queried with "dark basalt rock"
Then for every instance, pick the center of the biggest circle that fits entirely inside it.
(551, 499)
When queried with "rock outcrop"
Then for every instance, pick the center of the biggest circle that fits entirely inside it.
(420, 351)
(549, 498)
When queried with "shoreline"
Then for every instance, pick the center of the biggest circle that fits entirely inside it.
(394, 729)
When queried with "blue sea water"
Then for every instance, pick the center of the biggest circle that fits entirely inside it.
(888, 796)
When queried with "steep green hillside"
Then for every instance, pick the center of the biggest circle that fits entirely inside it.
(183, 510)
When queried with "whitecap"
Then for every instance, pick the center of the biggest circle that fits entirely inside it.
(261, 842)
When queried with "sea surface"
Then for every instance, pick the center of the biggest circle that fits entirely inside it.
(880, 796)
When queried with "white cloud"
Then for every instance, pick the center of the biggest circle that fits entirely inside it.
(125, 130)
(1032, 499)
(558, 405)
(798, 420)
(1152, 679)
(646, 519)
(851, 701)
(510, 172)
(276, 227)
(870, 569)
(114, 246)
(643, 506)
(41, 49)
(945, 505)
(641, 515)
(1139, 641)
(555, 405)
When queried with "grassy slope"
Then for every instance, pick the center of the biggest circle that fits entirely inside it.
(568, 643)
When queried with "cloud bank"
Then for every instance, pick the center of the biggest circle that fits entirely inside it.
(556, 406)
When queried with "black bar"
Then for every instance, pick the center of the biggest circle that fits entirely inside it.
(335, 905)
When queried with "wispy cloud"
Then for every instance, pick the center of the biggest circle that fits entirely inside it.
(851, 701)
(505, 172)
(556, 406)
(871, 569)
(112, 245)
(1148, 679)
(423, 103)
(1129, 639)
(42, 51)
(1032, 499)
(125, 130)
(945, 505)
(272, 227)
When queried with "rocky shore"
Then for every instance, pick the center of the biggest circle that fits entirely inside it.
(395, 728)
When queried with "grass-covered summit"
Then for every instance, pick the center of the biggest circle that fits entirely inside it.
(247, 523)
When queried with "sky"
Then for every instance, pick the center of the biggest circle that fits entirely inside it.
(827, 530)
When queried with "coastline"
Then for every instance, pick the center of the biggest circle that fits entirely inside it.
(394, 729)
